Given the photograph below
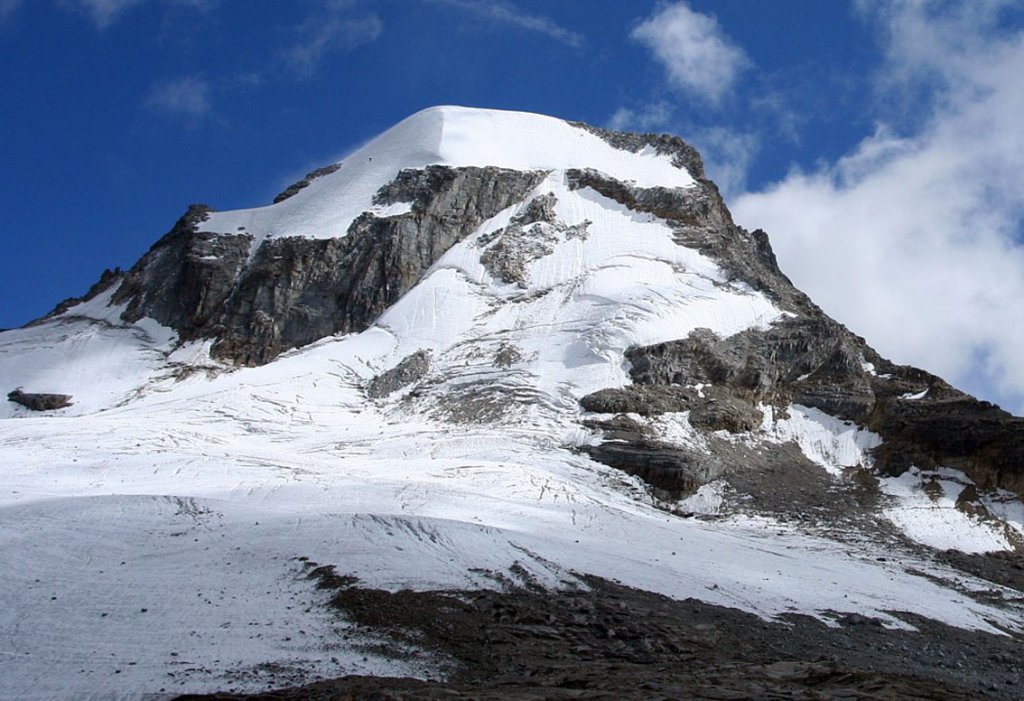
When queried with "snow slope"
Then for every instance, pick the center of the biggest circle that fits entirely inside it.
(87, 352)
(153, 547)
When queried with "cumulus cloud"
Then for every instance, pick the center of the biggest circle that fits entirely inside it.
(188, 96)
(698, 57)
(914, 239)
(329, 31)
(507, 13)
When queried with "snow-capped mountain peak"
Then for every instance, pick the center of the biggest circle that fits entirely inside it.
(486, 351)
(456, 137)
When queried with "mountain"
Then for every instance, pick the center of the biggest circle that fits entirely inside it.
(499, 406)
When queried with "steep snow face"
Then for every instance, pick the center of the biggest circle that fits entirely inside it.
(452, 136)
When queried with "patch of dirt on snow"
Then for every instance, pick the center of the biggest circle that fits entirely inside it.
(614, 642)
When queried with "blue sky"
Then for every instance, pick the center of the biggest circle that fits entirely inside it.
(879, 143)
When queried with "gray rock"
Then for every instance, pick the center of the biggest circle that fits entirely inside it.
(39, 402)
(683, 155)
(507, 356)
(531, 235)
(411, 369)
(670, 470)
(295, 187)
(186, 277)
(515, 248)
(293, 291)
(816, 362)
(726, 413)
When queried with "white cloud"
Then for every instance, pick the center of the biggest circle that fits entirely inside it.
(333, 30)
(646, 118)
(506, 13)
(188, 96)
(697, 55)
(916, 240)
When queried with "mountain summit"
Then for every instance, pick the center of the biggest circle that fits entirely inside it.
(490, 361)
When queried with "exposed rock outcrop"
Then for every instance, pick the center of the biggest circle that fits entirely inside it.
(683, 155)
(531, 235)
(816, 362)
(671, 470)
(186, 277)
(293, 291)
(409, 370)
(39, 402)
(305, 182)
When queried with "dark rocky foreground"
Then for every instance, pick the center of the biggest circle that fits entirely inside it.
(614, 642)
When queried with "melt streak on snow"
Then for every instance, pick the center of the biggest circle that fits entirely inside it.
(153, 546)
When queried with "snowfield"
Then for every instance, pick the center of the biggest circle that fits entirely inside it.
(152, 535)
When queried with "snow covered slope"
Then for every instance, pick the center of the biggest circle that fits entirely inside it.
(451, 136)
(152, 535)
(87, 352)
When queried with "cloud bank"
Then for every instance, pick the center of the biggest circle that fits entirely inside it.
(914, 239)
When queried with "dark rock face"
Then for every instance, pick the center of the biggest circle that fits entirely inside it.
(670, 470)
(409, 370)
(296, 291)
(293, 291)
(295, 187)
(39, 402)
(951, 430)
(809, 361)
(186, 276)
(816, 362)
